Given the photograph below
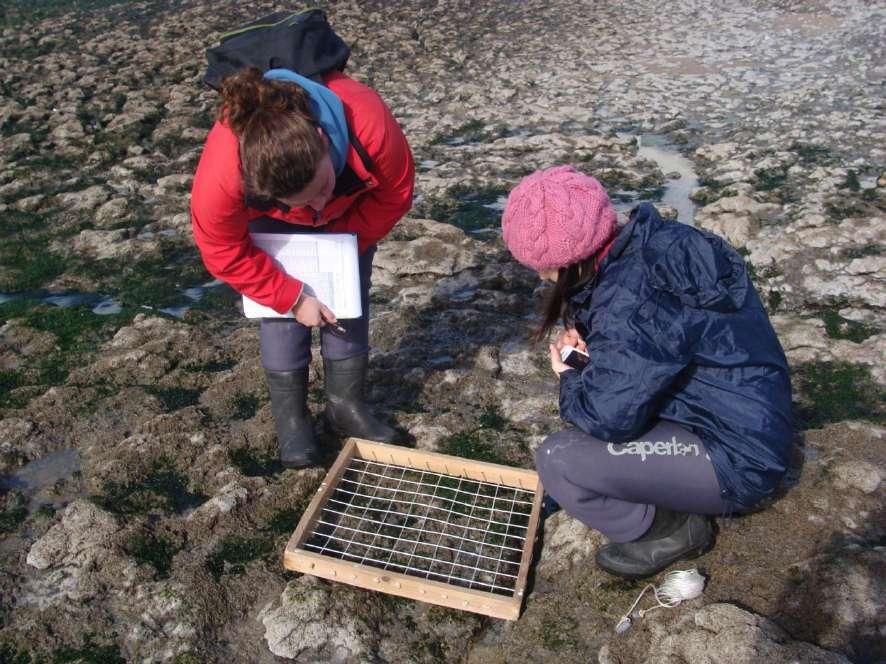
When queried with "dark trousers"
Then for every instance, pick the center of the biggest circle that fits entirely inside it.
(615, 488)
(286, 343)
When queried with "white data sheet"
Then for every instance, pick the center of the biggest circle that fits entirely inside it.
(326, 262)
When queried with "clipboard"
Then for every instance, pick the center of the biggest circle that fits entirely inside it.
(327, 263)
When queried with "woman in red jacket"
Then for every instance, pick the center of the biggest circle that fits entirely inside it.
(290, 155)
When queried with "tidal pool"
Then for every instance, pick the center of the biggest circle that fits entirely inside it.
(658, 149)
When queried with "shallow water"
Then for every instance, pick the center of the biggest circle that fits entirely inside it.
(100, 304)
(103, 305)
(656, 148)
(653, 147)
(42, 473)
(669, 160)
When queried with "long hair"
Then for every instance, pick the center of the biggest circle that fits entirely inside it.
(280, 147)
(570, 279)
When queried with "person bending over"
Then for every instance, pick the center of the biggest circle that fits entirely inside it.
(287, 155)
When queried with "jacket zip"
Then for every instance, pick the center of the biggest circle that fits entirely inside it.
(233, 33)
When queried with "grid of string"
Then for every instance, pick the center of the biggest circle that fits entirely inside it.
(430, 525)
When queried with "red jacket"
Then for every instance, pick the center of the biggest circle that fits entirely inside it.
(220, 216)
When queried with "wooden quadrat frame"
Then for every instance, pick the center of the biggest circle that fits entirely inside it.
(426, 526)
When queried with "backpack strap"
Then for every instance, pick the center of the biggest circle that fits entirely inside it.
(358, 146)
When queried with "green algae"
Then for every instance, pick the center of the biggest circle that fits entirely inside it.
(14, 514)
(472, 131)
(234, 553)
(491, 418)
(10, 654)
(852, 183)
(473, 445)
(836, 391)
(174, 398)
(91, 652)
(153, 550)
(770, 179)
(244, 406)
(872, 249)
(838, 327)
(557, 632)
(162, 489)
(465, 206)
(812, 154)
(284, 521)
(27, 267)
(254, 463)
(9, 380)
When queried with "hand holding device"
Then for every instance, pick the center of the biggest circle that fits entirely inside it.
(573, 357)
(570, 337)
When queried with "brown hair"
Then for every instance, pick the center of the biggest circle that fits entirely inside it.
(570, 279)
(280, 147)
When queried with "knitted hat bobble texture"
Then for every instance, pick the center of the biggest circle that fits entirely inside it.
(556, 217)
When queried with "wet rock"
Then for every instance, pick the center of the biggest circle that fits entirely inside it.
(308, 624)
(724, 633)
(30, 203)
(567, 543)
(161, 627)
(80, 537)
(78, 559)
(860, 475)
(14, 433)
(85, 200)
(487, 360)
(172, 183)
(112, 213)
(667, 211)
(427, 435)
(140, 353)
(18, 341)
(229, 497)
(737, 218)
(68, 129)
(14, 429)
(518, 359)
(841, 595)
(110, 244)
(807, 340)
(424, 255)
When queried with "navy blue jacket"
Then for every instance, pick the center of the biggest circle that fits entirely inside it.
(676, 331)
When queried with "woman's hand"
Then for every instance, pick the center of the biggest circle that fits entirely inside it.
(570, 337)
(556, 363)
(311, 312)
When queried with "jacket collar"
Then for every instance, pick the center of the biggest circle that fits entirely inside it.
(642, 218)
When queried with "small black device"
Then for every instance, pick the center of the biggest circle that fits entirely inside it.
(573, 357)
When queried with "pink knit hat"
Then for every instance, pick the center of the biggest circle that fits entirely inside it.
(557, 217)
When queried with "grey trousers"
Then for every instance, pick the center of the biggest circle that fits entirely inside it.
(286, 343)
(614, 488)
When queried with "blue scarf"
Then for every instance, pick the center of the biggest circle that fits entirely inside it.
(328, 110)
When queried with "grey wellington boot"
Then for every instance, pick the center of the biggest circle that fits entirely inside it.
(346, 412)
(295, 431)
(671, 537)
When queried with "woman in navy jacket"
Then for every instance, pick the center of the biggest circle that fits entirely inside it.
(684, 407)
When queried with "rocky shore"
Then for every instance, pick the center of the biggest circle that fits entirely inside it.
(142, 511)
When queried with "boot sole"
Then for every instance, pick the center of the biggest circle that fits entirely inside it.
(341, 433)
(308, 462)
(300, 466)
(692, 554)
